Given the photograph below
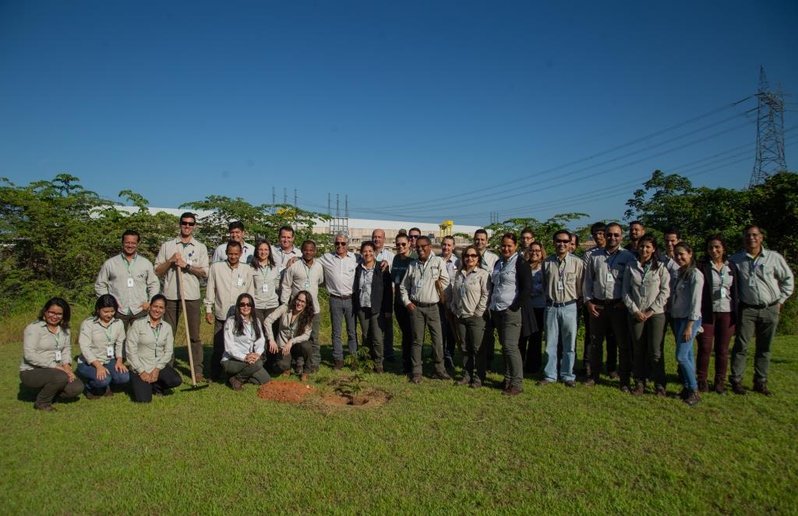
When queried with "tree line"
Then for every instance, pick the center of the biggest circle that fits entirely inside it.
(55, 235)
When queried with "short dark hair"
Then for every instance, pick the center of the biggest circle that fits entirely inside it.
(105, 301)
(511, 236)
(306, 242)
(448, 237)
(188, 215)
(414, 229)
(481, 231)
(158, 297)
(598, 226)
(285, 228)
(671, 231)
(636, 222)
(131, 232)
(422, 237)
(236, 224)
(613, 225)
(561, 232)
(527, 230)
(367, 243)
(234, 243)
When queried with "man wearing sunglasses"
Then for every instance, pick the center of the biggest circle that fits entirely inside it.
(562, 281)
(339, 278)
(190, 255)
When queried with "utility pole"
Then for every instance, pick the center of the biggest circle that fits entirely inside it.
(769, 133)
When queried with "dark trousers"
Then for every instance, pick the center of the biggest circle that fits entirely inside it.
(449, 339)
(277, 363)
(759, 322)
(531, 346)
(646, 338)
(472, 331)
(51, 382)
(427, 317)
(253, 373)
(508, 325)
(128, 319)
(172, 316)
(143, 391)
(612, 318)
(371, 326)
(403, 320)
(720, 332)
(218, 349)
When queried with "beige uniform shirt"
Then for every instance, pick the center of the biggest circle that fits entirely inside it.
(40, 348)
(418, 286)
(645, 289)
(339, 273)
(281, 257)
(301, 276)
(764, 280)
(100, 343)
(195, 254)
(132, 283)
(149, 348)
(488, 260)
(225, 284)
(470, 291)
(562, 281)
(287, 329)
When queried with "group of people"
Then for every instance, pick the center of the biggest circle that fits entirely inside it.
(263, 301)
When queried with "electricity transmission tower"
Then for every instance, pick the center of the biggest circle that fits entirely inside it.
(769, 133)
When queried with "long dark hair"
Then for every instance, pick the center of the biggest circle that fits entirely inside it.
(239, 319)
(57, 301)
(255, 263)
(653, 241)
(306, 316)
(105, 301)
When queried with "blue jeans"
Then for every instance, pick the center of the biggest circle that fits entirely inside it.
(560, 321)
(684, 352)
(88, 372)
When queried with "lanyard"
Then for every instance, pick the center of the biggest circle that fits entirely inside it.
(646, 270)
(108, 332)
(156, 332)
(58, 338)
(130, 263)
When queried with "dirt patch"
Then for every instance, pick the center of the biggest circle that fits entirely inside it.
(289, 391)
(370, 398)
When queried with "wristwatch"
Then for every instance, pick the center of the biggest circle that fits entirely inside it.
(187, 268)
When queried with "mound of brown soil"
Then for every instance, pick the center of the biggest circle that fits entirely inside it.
(287, 391)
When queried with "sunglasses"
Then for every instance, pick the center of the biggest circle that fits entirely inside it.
(401, 244)
(184, 223)
(562, 241)
(244, 305)
(470, 256)
(337, 244)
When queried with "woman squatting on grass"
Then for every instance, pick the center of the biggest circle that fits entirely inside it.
(47, 356)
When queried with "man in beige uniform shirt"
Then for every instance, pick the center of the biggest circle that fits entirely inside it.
(305, 274)
(226, 281)
(130, 278)
(419, 291)
(191, 256)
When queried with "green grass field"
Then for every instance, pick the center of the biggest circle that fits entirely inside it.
(434, 448)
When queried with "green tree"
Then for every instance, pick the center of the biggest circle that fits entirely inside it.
(543, 230)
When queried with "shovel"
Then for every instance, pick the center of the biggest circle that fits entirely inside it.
(194, 385)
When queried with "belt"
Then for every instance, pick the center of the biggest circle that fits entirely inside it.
(422, 305)
(758, 307)
(342, 297)
(560, 305)
(604, 302)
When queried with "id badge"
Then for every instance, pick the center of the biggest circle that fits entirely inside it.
(239, 281)
(723, 293)
(610, 278)
(57, 355)
(307, 284)
(109, 351)
(752, 281)
(130, 282)
(642, 291)
(265, 288)
(560, 286)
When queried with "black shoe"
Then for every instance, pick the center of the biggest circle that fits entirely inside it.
(703, 386)
(762, 388)
(44, 407)
(338, 364)
(640, 389)
(441, 375)
(737, 388)
(235, 383)
(512, 391)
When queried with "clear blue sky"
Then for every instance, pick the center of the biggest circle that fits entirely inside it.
(415, 110)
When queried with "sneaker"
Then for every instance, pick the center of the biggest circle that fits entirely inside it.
(692, 398)
(639, 389)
